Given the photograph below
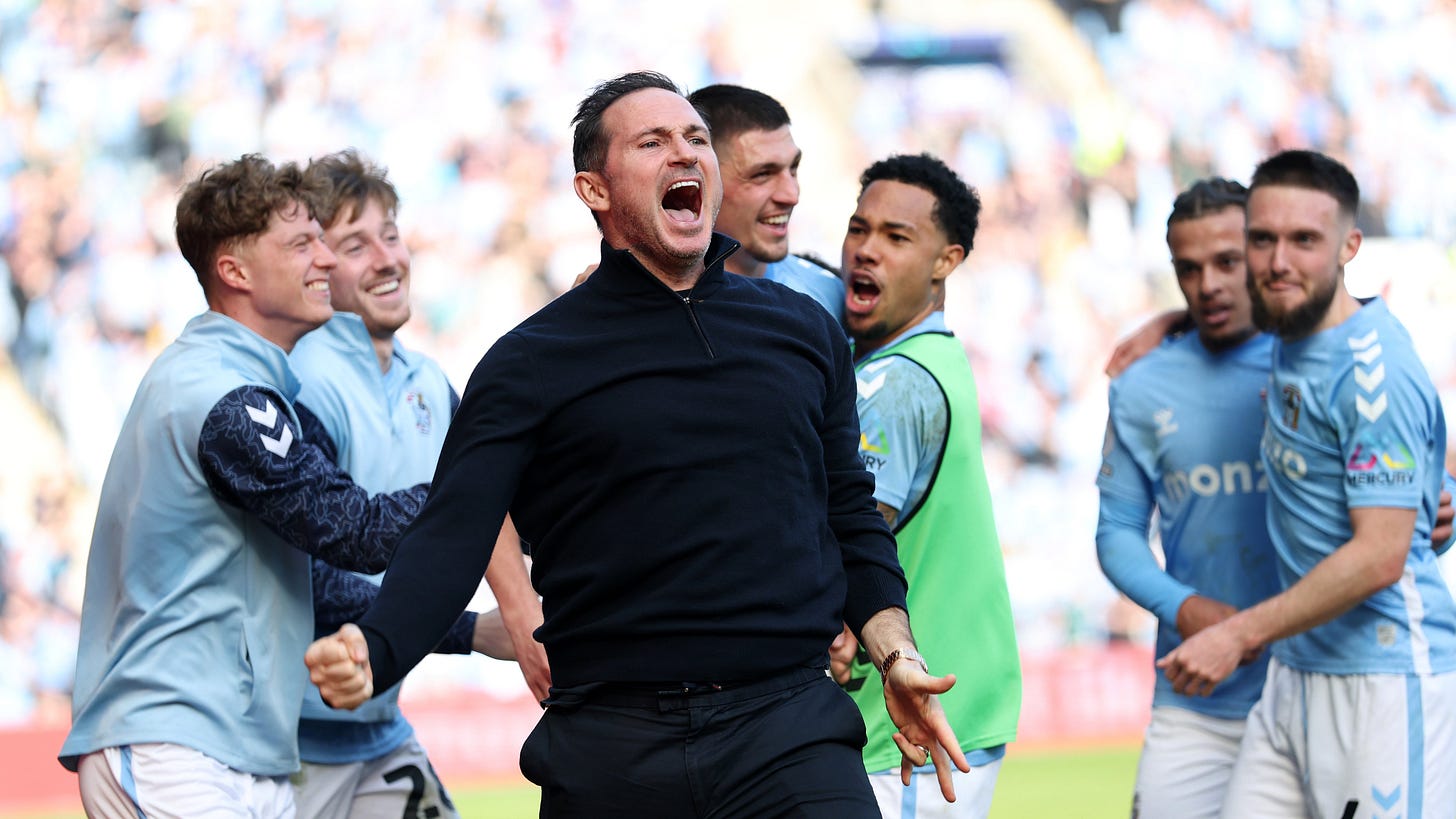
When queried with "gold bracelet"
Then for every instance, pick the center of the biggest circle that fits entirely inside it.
(900, 654)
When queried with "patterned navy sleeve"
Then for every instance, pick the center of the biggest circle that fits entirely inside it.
(253, 457)
(341, 597)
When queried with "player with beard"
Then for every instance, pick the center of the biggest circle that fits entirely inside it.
(1358, 712)
(679, 447)
(1183, 439)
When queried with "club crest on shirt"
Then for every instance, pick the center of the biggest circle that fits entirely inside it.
(423, 416)
(1292, 401)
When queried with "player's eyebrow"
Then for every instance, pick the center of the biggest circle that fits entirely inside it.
(689, 129)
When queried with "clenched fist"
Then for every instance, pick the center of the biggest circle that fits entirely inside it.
(339, 666)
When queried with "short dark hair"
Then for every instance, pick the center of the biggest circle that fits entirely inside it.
(1312, 170)
(1207, 197)
(731, 110)
(957, 210)
(589, 141)
(345, 182)
(233, 201)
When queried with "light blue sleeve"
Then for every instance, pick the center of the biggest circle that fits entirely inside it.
(1384, 426)
(1123, 517)
(899, 404)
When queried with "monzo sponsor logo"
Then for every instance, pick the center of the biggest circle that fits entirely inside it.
(1208, 480)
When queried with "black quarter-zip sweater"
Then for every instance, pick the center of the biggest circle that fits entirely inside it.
(685, 468)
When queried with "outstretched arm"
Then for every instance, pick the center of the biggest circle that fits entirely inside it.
(488, 636)
(341, 597)
(911, 699)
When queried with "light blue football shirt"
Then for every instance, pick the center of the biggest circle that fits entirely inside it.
(1183, 438)
(903, 421)
(197, 607)
(1354, 421)
(820, 284)
(387, 428)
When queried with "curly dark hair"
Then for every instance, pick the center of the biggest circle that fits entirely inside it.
(233, 201)
(957, 210)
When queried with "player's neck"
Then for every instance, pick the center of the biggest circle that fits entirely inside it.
(745, 265)
(384, 351)
(1341, 309)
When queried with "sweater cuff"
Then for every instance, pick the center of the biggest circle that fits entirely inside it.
(460, 639)
(872, 589)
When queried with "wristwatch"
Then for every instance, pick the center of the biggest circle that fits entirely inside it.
(901, 654)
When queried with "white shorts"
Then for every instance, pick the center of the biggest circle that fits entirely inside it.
(166, 781)
(1348, 746)
(923, 800)
(1186, 764)
(400, 783)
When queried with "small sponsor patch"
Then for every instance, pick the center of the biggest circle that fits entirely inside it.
(1385, 634)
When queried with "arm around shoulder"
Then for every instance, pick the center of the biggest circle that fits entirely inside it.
(253, 457)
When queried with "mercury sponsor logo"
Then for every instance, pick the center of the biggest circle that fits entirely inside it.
(1380, 478)
(1380, 465)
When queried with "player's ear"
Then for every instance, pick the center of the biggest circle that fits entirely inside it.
(231, 271)
(1351, 245)
(949, 258)
(591, 189)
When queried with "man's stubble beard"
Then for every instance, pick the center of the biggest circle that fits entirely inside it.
(1300, 321)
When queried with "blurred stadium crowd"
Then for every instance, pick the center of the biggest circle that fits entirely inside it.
(1078, 121)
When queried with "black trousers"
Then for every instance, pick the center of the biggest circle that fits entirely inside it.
(789, 746)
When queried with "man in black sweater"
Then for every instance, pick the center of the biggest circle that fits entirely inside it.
(679, 447)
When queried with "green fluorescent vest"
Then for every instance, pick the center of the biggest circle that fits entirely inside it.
(959, 607)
